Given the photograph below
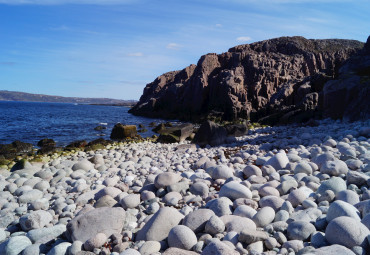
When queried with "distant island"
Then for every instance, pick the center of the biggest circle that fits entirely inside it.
(6, 95)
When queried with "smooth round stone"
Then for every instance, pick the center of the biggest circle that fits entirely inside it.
(49, 233)
(130, 252)
(330, 142)
(146, 195)
(278, 161)
(216, 247)
(105, 201)
(281, 215)
(334, 184)
(300, 230)
(30, 196)
(237, 223)
(163, 180)
(303, 167)
(318, 240)
(220, 206)
(214, 225)
(199, 189)
(322, 158)
(235, 190)
(83, 165)
(34, 220)
(130, 201)
(348, 196)
(75, 247)
(16, 245)
(264, 216)
(2, 235)
(346, 231)
(232, 237)
(334, 168)
(245, 211)
(172, 198)
(296, 197)
(340, 208)
(252, 170)
(268, 191)
(95, 242)
(271, 201)
(197, 219)
(221, 172)
(150, 247)
(295, 245)
(182, 237)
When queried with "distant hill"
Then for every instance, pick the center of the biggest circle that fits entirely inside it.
(28, 97)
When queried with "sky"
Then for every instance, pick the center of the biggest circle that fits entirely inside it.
(113, 48)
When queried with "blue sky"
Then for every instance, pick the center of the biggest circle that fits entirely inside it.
(113, 48)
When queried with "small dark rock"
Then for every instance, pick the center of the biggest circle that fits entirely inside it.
(158, 129)
(123, 131)
(46, 143)
(77, 144)
(100, 128)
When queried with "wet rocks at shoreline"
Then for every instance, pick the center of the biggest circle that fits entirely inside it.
(276, 190)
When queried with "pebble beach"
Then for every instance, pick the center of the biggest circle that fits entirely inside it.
(277, 190)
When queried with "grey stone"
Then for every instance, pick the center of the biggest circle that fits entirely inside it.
(352, 232)
(249, 236)
(334, 184)
(15, 245)
(83, 165)
(221, 172)
(252, 170)
(106, 220)
(264, 216)
(214, 225)
(199, 188)
(197, 219)
(35, 219)
(348, 196)
(244, 211)
(150, 247)
(216, 247)
(271, 201)
(130, 252)
(159, 225)
(130, 201)
(278, 161)
(163, 180)
(237, 223)
(46, 233)
(300, 230)
(235, 190)
(30, 196)
(220, 206)
(340, 208)
(181, 237)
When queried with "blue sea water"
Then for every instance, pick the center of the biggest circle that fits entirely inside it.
(65, 123)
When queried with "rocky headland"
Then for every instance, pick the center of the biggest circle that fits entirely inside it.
(282, 80)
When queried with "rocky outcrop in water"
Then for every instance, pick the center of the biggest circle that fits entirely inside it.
(277, 79)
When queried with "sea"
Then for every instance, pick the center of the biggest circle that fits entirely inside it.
(32, 121)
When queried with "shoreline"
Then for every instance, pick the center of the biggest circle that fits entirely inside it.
(252, 193)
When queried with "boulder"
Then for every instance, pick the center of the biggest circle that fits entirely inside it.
(210, 133)
(181, 237)
(106, 220)
(346, 231)
(120, 131)
(159, 225)
(176, 134)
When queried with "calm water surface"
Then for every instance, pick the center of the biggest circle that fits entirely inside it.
(31, 121)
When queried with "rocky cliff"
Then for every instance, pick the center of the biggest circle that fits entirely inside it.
(267, 80)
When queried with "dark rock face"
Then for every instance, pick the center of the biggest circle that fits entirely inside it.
(120, 131)
(348, 96)
(282, 75)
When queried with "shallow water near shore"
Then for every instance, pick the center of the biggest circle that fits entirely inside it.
(33, 121)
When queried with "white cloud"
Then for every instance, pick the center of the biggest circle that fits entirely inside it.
(173, 46)
(218, 25)
(243, 39)
(135, 54)
(60, 2)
